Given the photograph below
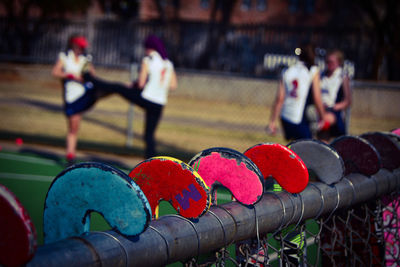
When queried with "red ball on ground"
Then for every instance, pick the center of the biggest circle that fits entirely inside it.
(19, 141)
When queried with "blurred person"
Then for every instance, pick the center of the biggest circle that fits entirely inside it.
(156, 77)
(336, 95)
(77, 95)
(293, 94)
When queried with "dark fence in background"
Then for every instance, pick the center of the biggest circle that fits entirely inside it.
(236, 49)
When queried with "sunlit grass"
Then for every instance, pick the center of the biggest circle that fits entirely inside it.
(31, 103)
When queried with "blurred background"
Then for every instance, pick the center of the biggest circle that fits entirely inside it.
(228, 55)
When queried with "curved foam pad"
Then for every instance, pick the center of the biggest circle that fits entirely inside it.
(17, 232)
(282, 164)
(321, 159)
(231, 169)
(88, 187)
(169, 179)
(396, 131)
(358, 155)
(386, 147)
(395, 136)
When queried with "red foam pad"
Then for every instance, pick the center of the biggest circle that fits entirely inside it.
(169, 179)
(17, 232)
(233, 170)
(282, 164)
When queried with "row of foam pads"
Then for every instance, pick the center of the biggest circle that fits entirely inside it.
(129, 202)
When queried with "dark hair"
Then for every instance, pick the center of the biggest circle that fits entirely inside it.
(153, 42)
(307, 55)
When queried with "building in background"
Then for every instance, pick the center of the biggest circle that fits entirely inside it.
(219, 35)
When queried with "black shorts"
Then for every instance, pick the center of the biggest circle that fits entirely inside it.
(296, 131)
(81, 104)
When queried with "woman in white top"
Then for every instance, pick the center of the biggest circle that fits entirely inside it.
(156, 77)
(77, 95)
(292, 95)
(336, 95)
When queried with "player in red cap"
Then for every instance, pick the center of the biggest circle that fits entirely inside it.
(77, 95)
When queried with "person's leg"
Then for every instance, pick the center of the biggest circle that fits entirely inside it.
(103, 87)
(340, 126)
(296, 131)
(72, 135)
(333, 127)
(153, 115)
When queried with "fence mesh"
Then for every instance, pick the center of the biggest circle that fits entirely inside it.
(364, 235)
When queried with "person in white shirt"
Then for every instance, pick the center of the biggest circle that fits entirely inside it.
(336, 95)
(292, 95)
(156, 77)
(77, 95)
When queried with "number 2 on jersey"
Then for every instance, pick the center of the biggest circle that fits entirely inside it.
(293, 92)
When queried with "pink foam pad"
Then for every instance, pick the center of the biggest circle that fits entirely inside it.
(282, 164)
(169, 179)
(396, 131)
(231, 169)
(17, 232)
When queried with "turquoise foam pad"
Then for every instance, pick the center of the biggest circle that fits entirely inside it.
(88, 187)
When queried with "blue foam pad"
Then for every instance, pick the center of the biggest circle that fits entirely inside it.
(88, 187)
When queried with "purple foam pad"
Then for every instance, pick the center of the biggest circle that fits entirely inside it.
(387, 148)
(358, 155)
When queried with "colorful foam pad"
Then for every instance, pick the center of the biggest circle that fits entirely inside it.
(282, 164)
(231, 169)
(88, 187)
(169, 179)
(387, 148)
(17, 232)
(396, 131)
(358, 155)
(321, 159)
(395, 136)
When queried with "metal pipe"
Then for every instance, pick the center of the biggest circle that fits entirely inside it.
(173, 238)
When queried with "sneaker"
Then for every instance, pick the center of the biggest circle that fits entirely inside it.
(71, 159)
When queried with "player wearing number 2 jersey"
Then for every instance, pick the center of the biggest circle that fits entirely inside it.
(150, 92)
(292, 95)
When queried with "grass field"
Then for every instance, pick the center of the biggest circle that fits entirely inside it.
(30, 107)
